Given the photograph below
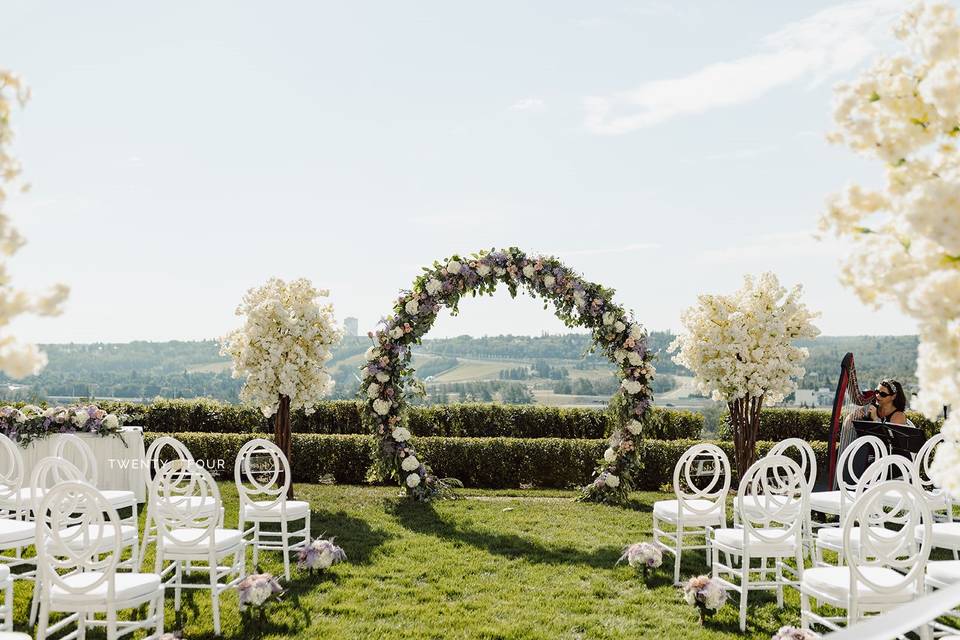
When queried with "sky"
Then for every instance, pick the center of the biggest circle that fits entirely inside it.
(182, 152)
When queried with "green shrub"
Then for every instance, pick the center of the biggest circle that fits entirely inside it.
(455, 420)
(809, 424)
(477, 462)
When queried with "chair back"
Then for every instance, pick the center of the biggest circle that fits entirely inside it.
(922, 464)
(807, 458)
(775, 487)
(262, 473)
(848, 476)
(161, 450)
(890, 467)
(181, 496)
(72, 448)
(702, 473)
(11, 476)
(47, 474)
(880, 534)
(78, 531)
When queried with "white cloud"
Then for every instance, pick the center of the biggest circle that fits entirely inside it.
(640, 246)
(528, 104)
(830, 42)
(771, 249)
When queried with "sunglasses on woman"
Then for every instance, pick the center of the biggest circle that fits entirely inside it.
(883, 394)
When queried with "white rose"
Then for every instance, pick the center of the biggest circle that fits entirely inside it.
(636, 331)
(412, 307)
(499, 271)
(453, 267)
(619, 355)
(396, 333)
(612, 481)
(372, 353)
(635, 427)
(382, 407)
(609, 455)
(383, 377)
(548, 281)
(373, 390)
(413, 480)
(410, 463)
(111, 421)
(579, 299)
(433, 286)
(529, 271)
(608, 318)
(635, 358)
(19, 416)
(400, 434)
(483, 270)
(80, 419)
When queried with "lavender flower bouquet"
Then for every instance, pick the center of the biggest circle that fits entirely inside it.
(257, 589)
(320, 554)
(643, 555)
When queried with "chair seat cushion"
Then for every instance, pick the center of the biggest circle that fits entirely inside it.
(4, 573)
(944, 534)
(832, 537)
(105, 534)
(121, 498)
(129, 586)
(14, 635)
(696, 512)
(22, 496)
(192, 541)
(733, 539)
(13, 532)
(946, 571)
(825, 502)
(296, 509)
(835, 582)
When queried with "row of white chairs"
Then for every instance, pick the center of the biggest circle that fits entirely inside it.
(184, 520)
(772, 519)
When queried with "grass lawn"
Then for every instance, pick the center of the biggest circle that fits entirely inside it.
(499, 564)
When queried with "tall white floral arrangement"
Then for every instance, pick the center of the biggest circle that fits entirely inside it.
(904, 235)
(741, 350)
(17, 359)
(283, 346)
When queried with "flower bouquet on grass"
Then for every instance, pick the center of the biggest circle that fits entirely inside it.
(257, 590)
(644, 555)
(704, 593)
(793, 633)
(320, 554)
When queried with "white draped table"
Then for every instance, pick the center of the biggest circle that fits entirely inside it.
(119, 467)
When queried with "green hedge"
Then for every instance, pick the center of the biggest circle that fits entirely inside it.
(456, 420)
(808, 424)
(478, 462)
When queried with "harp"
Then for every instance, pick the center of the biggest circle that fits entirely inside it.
(846, 385)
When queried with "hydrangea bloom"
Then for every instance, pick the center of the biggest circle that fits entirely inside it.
(283, 345)
(904, 236)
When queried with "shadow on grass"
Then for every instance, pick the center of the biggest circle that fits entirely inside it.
(350, 532)
(422, 518)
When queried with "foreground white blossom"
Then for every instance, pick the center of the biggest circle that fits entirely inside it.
(904, 236)
(283, 346)
(16, 359)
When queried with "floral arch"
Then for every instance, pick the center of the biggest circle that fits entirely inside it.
(578, 303)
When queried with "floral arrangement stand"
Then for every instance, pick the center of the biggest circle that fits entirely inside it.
(30, 423)
(282, 350)
(387, 373)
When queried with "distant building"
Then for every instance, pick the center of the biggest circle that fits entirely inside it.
(813, 397)
(350, 326)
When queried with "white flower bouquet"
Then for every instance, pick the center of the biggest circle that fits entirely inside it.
(642, 555)
(704, 593)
